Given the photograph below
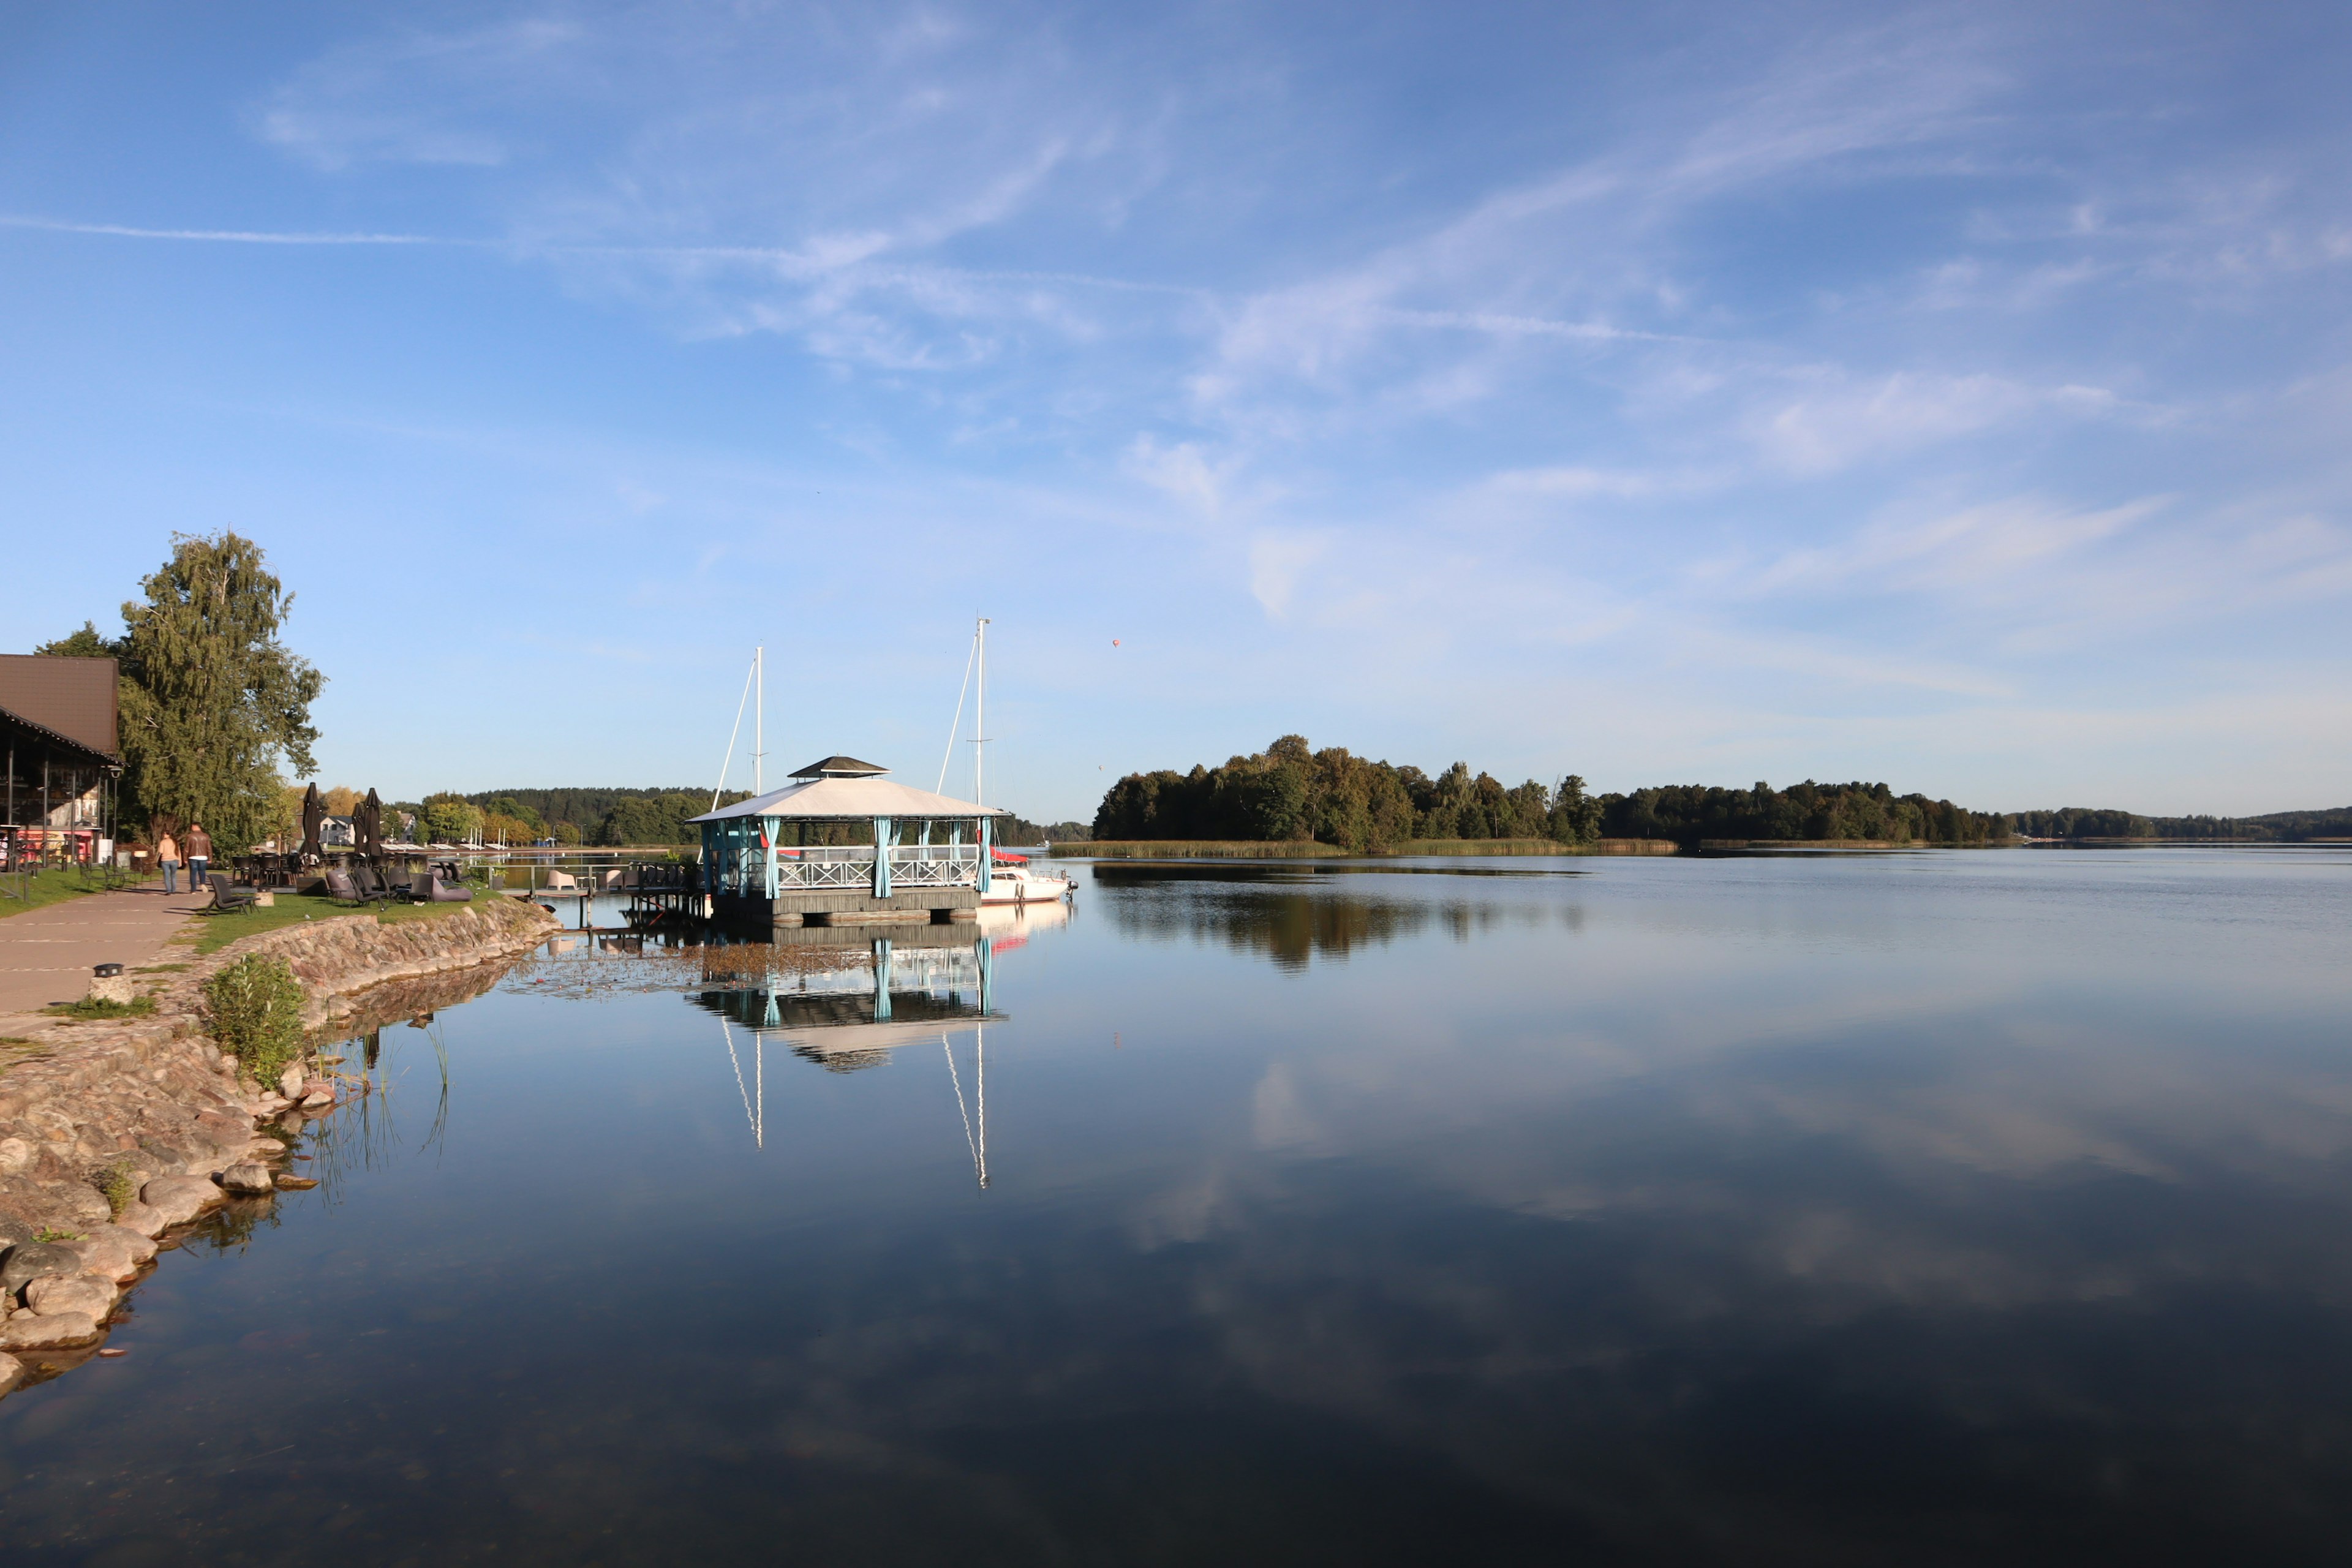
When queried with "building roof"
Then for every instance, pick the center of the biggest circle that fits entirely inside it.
(840, 768)
(848, 800)
(73, 700)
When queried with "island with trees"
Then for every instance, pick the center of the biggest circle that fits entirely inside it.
(1291, 792)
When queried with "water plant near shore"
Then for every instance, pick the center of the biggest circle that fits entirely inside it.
(256, 1008)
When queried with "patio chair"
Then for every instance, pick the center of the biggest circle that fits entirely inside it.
(369, 883)
(343, 889)
(432, 889)
(228, 897)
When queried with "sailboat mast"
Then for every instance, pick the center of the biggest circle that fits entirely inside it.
(759, 719)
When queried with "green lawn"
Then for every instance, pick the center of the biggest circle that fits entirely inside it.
(213, 933)
(49, 888)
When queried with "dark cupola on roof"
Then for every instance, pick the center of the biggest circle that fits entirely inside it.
(839, 768)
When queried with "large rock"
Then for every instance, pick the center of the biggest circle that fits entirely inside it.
(84, 1206)
(12, 1373)
(180, 1198)
(145, 1219)
(249, 1178)
(43, 1331)
(15, 1156)
(290, 1082)
(35, 1259)
(87, 1294)
(113, 1252)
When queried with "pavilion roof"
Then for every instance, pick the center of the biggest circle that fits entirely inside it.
(839, 767)
(848, 800)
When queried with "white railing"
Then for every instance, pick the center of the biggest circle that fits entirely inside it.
(935, 866)
(852, 866)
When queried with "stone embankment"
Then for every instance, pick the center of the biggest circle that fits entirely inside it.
(147, 1117)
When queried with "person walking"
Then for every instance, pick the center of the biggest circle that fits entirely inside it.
(199, 854)
(167, 855)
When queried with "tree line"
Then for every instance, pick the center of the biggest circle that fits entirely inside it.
(2274, 827)
(1290, 791)
(614, 817)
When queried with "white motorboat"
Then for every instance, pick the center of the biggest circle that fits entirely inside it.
(1015, 883)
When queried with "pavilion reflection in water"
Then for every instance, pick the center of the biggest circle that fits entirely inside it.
(854, 1015)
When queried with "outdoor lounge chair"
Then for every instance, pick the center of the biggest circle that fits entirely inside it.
(370, 885)
(228, 897)
(343, 889)
(431, 888)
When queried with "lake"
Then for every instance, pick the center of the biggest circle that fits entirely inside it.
(1947, 1207)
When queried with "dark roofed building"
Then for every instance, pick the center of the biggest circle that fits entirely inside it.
(61, 745)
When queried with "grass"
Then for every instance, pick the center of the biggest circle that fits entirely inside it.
(93, 1007)
(47, 1234)
(18, 894)
(120, 1189)
(213, 933)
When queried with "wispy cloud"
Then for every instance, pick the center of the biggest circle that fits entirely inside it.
(1797, 374)
(220, 235)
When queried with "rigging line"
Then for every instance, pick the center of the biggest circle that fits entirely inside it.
(734, 1062)
(961, 692)
(968, 1142)
(719, 788)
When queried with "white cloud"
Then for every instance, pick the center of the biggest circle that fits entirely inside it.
(1276, 561)
(1839, 423)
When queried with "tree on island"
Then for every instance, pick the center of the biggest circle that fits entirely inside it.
(1292, 791)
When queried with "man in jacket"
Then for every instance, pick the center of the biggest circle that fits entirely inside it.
(199, 854)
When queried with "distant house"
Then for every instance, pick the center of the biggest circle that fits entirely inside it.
(338, 833)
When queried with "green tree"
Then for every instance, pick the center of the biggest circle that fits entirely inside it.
(87, 642)
(213, 703)
(449, 819)
(1575, 815)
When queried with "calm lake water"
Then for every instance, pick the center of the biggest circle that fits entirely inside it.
(1921, 1209)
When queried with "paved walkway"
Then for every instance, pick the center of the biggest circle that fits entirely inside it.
(46, 954)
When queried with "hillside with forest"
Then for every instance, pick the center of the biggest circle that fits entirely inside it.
(1291, 791)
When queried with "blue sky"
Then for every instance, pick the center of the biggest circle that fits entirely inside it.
(1953, 396)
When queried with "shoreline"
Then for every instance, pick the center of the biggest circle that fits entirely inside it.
(151, 1106)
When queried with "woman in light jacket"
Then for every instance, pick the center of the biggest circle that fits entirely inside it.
(167, 855)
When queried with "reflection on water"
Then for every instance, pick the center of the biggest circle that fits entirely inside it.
(1944, 1209)
(1291, 915)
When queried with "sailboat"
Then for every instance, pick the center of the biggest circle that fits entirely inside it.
(1010, 879)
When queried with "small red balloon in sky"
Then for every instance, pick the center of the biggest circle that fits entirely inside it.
(1114, 642)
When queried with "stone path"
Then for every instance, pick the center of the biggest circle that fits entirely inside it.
(46, 954)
